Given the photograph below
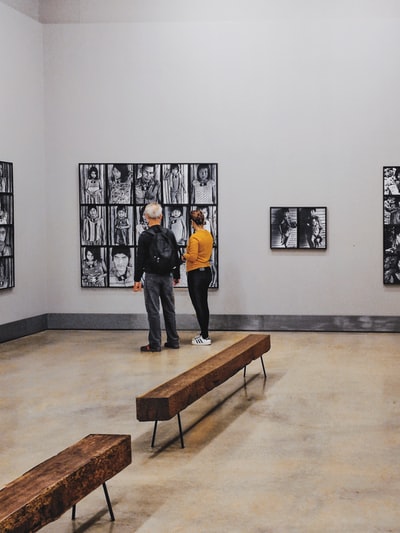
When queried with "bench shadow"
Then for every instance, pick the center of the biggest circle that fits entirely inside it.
(90, 522)
(191, 421)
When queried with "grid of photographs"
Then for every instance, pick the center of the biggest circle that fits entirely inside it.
(112, 200)
(7, 266)
(298, 228)
(391, 225)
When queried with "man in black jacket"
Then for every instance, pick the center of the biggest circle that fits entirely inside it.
(157, 286)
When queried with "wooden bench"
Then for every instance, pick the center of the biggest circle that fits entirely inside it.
(45, 492)
(168, 399)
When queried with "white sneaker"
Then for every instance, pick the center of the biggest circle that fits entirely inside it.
(200, 341)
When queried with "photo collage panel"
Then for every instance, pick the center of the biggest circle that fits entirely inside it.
(298, 228)
(7, 267)
(112, 200)
(391, 225)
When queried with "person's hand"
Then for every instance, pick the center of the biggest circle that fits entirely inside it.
(176, 281)
(137, 286)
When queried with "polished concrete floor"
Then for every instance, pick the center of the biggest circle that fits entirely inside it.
(315, 448)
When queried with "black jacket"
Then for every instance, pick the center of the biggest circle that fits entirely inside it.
(142, 263)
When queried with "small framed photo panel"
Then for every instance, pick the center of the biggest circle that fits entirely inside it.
(7, 267)
(6, 177)
(93, 266)
(391, 225)
(298, 228)
(210, 215)
(283, 227)
(312, 227)
(121, 262)
(92, 184)
(175, 183)
(120, 179)
(121, 225)
(176, 219)
(203, 183)
(391, 181)
(6, 272)
(148, 184)
(93, 225)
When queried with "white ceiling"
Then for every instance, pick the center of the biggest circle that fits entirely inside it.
(120, 11)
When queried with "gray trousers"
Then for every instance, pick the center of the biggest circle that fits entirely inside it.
(158, 288)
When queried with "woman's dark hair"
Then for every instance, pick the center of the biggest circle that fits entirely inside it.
(123, 169)
(198, 217)
(93, 169)
(94, 251)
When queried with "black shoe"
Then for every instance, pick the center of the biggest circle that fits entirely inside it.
(148, 348)
(173, 346)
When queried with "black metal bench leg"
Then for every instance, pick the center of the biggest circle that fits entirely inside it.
(262, 362)
(180, 430)
(110, 510)
(154, 434)
(263, 367)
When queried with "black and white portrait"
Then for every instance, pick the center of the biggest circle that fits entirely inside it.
(203, 183)
(120, 179)
(113, 197)
(175, 183)
(93, 225)
(6, 272)
(121, 225)
(147, 184)
(176, 219)
(283, 227)
(391, 225)
(312, 227)
(210, 218)
(92, 184)
(6, 241)
(141, 222)
(93, 266)
(7, 265)
(6, 209)
(391, 181)
(6, 177)
(298, 227)
(121, 266)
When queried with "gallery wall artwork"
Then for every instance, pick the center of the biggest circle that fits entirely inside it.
(112, 200)
(298, 228)
(391, 225)
(7, 266)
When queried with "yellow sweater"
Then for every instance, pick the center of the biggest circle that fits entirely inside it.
(199, 249)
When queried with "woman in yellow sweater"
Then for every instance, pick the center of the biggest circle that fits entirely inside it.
(198, 268)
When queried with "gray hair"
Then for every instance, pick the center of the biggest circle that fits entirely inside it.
(153, 210)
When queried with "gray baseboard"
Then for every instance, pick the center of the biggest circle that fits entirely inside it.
(320, 323)
(21, 328)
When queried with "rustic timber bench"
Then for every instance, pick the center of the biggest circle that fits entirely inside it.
(45, 492)
(168, 399)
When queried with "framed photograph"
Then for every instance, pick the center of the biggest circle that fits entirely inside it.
(298, 228)
(112, 201)
(175, 183)
(312, 227)
(7, 266)
(283, 227)
(391, 225)
(92, 184)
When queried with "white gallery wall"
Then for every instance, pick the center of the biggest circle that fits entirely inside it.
(298, 103)
(22, 143)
